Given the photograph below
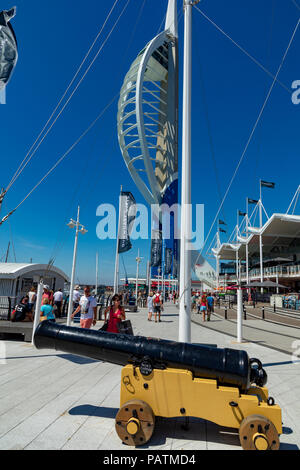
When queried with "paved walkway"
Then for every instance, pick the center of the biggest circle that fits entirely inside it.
(267, 333)
(53, 400)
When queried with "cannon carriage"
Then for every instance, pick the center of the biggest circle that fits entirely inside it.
(162, 378)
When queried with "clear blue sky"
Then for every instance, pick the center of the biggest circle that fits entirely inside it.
(53, 38)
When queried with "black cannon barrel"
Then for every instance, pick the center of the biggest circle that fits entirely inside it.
(227, 366)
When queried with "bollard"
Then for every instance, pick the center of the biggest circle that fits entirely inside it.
(263, 313)
(225, 313)
(245, 313)
(274, 308)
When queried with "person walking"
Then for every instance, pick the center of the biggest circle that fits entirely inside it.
(210, 306)
(203, 306)
(87, 308)
(157, 302)
(150, 305)
(58, 298)
(116, 315)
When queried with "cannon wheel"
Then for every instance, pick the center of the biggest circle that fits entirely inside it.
(135, 423)
(258, 433)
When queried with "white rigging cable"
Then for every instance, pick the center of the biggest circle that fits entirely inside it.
(296, 4)
(251, 135)
(60, 240)
(21, 168)
(243, 50)
(63, 157)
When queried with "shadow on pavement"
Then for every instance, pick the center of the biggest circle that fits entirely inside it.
(270, 364)
(284, 446)
(77, 359)
(90, 410)
(68, 357)
(198, 430)
(173, 428)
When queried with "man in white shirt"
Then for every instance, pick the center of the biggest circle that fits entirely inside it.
(88, 308)
(58, 298)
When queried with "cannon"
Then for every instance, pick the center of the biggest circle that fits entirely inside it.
(162, 378)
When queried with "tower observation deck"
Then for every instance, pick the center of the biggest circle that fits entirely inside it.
(148, 134)
(148, 114)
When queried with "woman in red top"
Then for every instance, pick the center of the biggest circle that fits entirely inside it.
(116, 314)
(203, 304)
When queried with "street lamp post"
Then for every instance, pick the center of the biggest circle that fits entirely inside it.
(138, 260)
(79, 228)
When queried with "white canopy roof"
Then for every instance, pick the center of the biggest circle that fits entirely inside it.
(14, 270)
(280, 229)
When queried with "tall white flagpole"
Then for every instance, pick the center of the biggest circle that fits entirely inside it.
(247, 247)
(218, 257)
(237, 251)
(185, 253)
(138, 260)
(38, 305)
(96, 286)
(260, 238)
(116, 277)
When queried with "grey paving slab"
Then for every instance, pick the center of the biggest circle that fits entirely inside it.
(280, 337)
(53, 400)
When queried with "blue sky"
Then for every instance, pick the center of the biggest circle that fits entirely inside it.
(228, 92)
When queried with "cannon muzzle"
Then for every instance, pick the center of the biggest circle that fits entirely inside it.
(227, 366)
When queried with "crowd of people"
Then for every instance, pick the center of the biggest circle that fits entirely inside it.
(203, 304)
(85, 306)
(51, 307)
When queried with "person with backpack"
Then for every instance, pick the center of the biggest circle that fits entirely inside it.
(157, 302)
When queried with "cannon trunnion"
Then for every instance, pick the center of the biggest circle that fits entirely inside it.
(171, 379)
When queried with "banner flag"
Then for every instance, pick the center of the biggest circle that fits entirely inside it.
(242, 214)
(156, 249)
(222, 231)
(8, 47)
(127, 218)
(266, 184)
(221, 222)
(252, 201)
(168, 260)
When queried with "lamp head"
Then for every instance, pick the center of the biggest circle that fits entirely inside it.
(71, 224)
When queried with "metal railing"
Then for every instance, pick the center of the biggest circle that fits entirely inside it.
(6, 306)
(280, 271)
